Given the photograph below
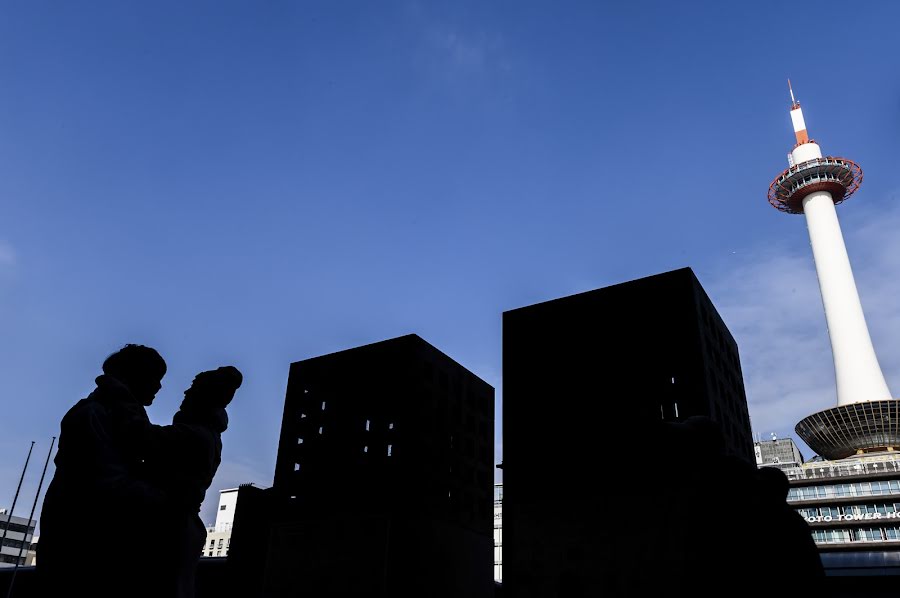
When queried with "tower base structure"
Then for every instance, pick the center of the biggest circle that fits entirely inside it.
(858, 428)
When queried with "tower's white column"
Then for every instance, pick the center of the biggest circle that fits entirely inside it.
(858, 374)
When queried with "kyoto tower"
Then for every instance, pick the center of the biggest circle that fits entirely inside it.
(867, 418)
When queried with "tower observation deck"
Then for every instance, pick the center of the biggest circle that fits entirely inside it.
(866, 418)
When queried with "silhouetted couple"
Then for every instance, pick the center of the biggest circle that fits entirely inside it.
(121, 515)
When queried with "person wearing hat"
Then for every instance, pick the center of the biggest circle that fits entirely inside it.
(182, 459)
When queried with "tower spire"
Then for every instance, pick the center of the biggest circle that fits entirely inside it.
(797, 119)
(812, 186)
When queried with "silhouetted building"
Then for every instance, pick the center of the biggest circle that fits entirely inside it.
(588, 381)
(383, 480)
(17, 540)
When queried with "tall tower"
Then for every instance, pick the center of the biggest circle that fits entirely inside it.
(866, 417)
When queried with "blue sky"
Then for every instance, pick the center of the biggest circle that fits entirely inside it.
(259, 183)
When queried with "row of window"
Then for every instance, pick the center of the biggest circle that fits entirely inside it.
(843, 490)
(212, 543)
(15, 543)
(217, 547)
(16, 527)
(840, 536)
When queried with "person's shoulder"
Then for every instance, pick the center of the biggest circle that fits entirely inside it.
(84, 408)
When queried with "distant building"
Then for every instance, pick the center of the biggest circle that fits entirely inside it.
(384, 469)
(18, 539)
(586, 377)
(498, 532)
(851, 504)
(782, 453)
(31, 553)
(218, 536)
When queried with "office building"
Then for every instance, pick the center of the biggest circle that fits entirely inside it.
(17, 534)
(588, 381)
(218, 535)
(383, 481)
(781, 453)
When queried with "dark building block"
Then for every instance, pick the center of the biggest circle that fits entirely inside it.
(383, 480)
(588, 382)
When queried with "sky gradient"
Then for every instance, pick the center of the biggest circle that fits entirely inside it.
(259, 183)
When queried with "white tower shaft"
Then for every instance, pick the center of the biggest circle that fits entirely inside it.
(857, 372)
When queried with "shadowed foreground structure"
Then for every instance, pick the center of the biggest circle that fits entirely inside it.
(850, 576)
(383, 481)
(593, 384)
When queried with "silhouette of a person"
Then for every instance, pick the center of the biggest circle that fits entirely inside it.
(182, 460)
(784, 536)
(694, 557)
(90, 522)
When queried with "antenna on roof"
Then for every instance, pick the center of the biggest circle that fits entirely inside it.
(791, 89)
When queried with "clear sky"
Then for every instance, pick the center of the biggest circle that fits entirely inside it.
(258, 183)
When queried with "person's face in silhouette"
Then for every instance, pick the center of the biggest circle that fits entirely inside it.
(207, 386)
(144, 388)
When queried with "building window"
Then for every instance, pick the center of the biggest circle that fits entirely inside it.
(389, 450)
(223, 507)
(868, 535)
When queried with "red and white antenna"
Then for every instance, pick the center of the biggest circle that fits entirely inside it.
(797, 118)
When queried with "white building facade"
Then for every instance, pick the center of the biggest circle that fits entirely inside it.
(498, 532)
(218, 535)
(17, 540)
